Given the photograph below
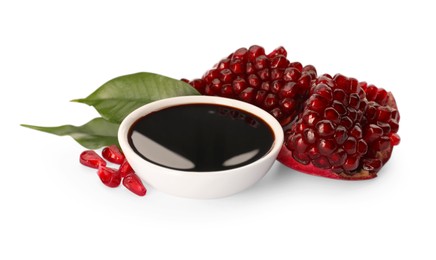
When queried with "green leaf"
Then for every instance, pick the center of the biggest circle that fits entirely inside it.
(96, 133)
(115, 99)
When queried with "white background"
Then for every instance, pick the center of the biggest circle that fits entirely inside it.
(54, 208)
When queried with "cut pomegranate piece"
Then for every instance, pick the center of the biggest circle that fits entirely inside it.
(340, 133)
(267, 81)
(91, 159)
(113, 154)
(109, 176)
(133, 183)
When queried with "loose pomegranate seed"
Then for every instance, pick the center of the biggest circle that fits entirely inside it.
(109, 176)
(91, 159)
(113, 154)
(125, 169)
(134, 184)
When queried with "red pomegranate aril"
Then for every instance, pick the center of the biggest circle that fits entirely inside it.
(342, 82)
(113, 154)
(260, 97)
(296, 65)
(299, 144)
(133, 183)
(313, 153)
(226, 76)
(249, 68)
(264, 75)
(265, 86)
(340, 135)
(288, 105)
(215, 86)
(346, 122)
(211, 75)
(351, 164)
(332, 115)
(270, 101)
(240, 54)
(385, 127)
(395, 115)
(291, 74)
(262, 62)
(254, 81)
(199, 85)
(381, 143)
(309, 136)
(362, 147)
(356, 131)
(276, 74)
(125, 169)
(278, 51)
(317, 103)
(227, 91)
(395, 139)
(381, 96)
(289, 90)
(109, 176)
(247, 95)
(321, 162)
(91, 159)
(310, 71)
(350, 145)
(338, 158)
(325, 128)
(208, 90)
(371, 92)
(223, 64)
(372, 132)
(352, 114)
(310, 117)
(301, 158)
(339, 107)
(239, 84)
(383, 114)
(372, 164)
(254, 52)
(394, 125)
(354, 101)
(324, 91)
(326, 146)
(237, 66)
(339, 95)
(279, 61)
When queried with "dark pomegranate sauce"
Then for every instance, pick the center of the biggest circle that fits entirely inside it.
(201, 137)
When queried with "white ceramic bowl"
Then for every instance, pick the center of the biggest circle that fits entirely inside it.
(199, 185)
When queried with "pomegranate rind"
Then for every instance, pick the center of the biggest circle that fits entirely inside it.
(285, 158)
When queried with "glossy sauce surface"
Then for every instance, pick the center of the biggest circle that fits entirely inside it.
(201, 137)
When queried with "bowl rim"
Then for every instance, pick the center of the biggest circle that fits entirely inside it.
(160, 104)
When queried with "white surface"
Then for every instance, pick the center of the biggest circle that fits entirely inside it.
(54, 208)
(199, 185)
